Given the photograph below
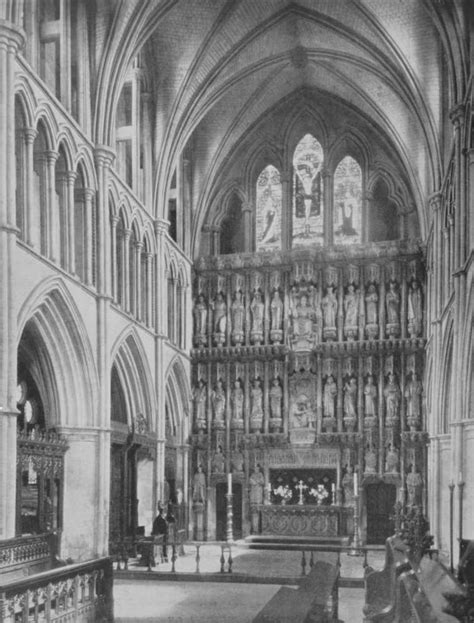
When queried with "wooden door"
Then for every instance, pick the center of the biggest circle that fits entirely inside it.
(380, 507)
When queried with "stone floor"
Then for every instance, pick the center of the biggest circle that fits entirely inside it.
(191, 597)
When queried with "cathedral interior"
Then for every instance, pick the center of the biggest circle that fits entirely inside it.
(237, 270)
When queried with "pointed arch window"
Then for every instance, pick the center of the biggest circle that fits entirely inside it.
(308, 159)
(347, 216)
(269, 209)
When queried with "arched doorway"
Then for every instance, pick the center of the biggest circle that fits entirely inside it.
(132, 450)
(381, 498)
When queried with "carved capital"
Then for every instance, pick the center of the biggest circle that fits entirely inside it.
(435, 200)
(11, 36)
(29, 135)
(456, 114)
(104, 155)
(161, 226)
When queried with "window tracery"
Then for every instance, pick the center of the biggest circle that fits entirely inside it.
(268, 209)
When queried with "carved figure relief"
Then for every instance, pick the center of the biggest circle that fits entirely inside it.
(329, 399)
(238, 316)
(371, 311)
(276, 311)
(219, 319)
(392, 303)
(200, 398)
(370, 400)
(392, 400)
(237, 402)
(303, 316)
(350, 402)
(301, 412)
(257, 314)
(237, 462)
(218, 462)
(415, 310)
(256, 411)
(276, 394)
(218, 400)
(351, 313)
(348, 486)
(414, 486)
(200, 321)
(391, 460)
(329, 307)
(256, 482)
(413, 394)
(199, 486)
(370, 459)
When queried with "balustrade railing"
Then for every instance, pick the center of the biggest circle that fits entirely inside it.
(201, 556)
(26, 549)
(77, 592)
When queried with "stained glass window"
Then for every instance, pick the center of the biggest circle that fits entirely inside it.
(347, 202)
(268, 213)
(308, 192)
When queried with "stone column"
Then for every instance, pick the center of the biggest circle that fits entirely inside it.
(286, 211)
(328, 208)
(70, 234)
(11, 39)
(52, 250)
(127, 303)
(248, 229)
(89, 238)
(149, 289)
(138, 280)
(113, 241)
(29, 135)
(103, 159)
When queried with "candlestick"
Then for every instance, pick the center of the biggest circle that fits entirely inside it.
(356, 484)
(333, 490)
(229, 483)
(230, 518)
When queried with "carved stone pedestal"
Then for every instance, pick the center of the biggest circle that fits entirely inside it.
(198, 509)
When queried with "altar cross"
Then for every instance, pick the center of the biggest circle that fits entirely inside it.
(301, 487)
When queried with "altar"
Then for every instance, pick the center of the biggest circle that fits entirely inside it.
(305, 520)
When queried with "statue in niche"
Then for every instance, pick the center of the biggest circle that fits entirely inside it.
(200, 321)
(301, 412)
(257, 314)
(392, 398)
(303, 318)
(237, 462)
(218, 402)
(371, 305)
(237, 401)
(415, 310)
(199, 398)
(257, 482)
(370, 459)
(370, 398)
(351, 307)
(276, 312)
(199, 486)
(414, 487)
(413, 393)
(392, 303)
(348, 486)
(329, 400)
(276, 395)
(329, 305)
(219, 319)
(391, 460)
(350, 401)
(256, 397)
(218, 462)
(237, 315)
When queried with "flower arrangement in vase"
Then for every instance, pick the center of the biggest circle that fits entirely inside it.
(284, 492)
(320, 493)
